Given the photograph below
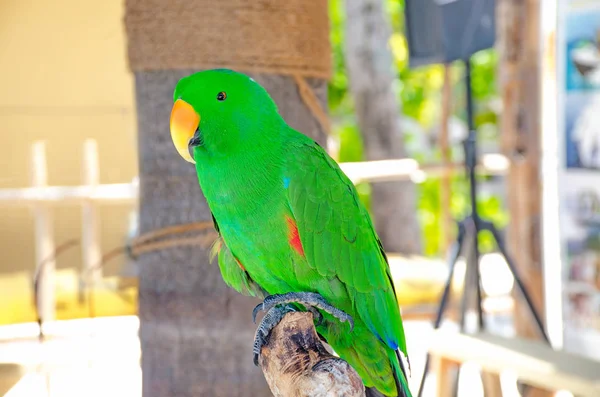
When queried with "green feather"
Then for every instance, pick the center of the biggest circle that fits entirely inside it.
(259, 177)
(344, 242)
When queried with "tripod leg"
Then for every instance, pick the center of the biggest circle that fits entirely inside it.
(523, 388)
(470, 275)
(477, 281)
(473, 276)
(470, 147)
(511, 265)
(458, 246)
(455, 253)
(470, 280)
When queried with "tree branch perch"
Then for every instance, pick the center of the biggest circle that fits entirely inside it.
(296, 364)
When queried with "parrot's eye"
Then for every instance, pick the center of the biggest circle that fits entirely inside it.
(221, 96)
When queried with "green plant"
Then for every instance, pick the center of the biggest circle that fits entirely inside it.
(419, 91)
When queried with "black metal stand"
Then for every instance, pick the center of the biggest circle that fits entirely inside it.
(468, 231)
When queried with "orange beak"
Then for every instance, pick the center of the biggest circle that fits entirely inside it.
(184, 123)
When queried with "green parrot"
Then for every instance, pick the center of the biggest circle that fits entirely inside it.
(292, 230)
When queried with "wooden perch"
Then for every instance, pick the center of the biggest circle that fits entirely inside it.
(296, 364)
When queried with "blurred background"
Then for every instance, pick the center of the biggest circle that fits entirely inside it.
(104, 278)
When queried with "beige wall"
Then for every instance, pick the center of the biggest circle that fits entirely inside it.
(63, 79)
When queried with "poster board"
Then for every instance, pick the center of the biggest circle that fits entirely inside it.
(571, 173)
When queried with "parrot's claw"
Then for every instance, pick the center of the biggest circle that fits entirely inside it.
(277, 306)
(310, 300)
(317, 316)
(269, 321)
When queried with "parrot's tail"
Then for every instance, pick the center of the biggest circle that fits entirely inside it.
(399, 373)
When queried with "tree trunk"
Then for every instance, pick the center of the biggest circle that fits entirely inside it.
(370, 67)
(519, 71)
(196, 333)
(519, 68)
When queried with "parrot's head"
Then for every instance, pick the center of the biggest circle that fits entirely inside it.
(219, 112)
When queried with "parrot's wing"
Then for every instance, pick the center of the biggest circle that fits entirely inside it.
(232, 271)
(339, 240)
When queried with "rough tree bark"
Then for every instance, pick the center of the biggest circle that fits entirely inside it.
(370, 67)
(295, 363)
(196, 333)
(519, 71)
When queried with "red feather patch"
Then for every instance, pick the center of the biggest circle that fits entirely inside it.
(240, 264)
(293, 236)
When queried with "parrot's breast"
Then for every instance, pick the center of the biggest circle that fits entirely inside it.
(267, 245)
(257, 225)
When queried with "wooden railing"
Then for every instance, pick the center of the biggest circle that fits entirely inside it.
(529, 361)
(41, 197)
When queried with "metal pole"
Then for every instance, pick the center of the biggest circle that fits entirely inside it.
(470, 145)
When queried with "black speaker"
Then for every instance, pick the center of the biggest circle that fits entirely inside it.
(443, 31)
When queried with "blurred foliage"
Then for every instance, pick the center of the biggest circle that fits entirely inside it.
(419, 93)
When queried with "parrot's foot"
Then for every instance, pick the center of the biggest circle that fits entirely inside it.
(277, 306)
(310, 300)
(274, 315)
(269, 321)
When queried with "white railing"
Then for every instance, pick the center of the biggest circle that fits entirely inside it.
(41, 197)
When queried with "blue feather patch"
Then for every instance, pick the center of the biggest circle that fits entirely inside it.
(393, 345)
(286, 182)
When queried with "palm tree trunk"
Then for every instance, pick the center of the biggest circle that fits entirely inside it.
(196, 333)
(370, 68)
